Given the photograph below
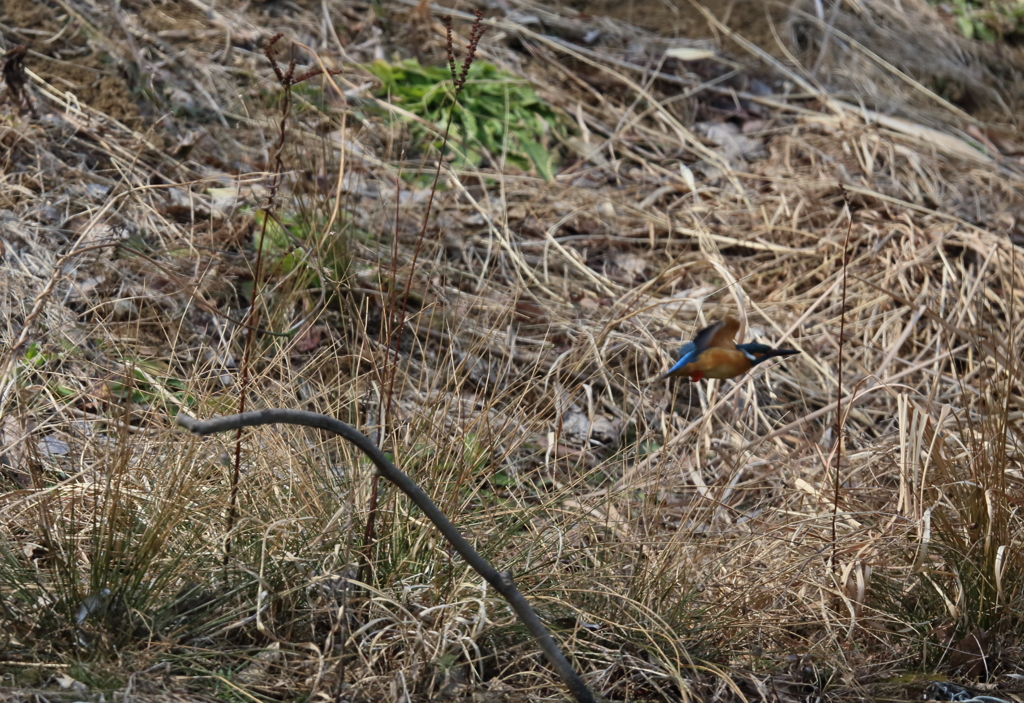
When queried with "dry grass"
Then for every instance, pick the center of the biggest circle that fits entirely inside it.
(678, 539)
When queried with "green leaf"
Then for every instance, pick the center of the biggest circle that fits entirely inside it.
(276, 237)
(447, 661)
(983, 32)
(540, 157)
(383, 72)
(647, 447)
(494, 134)
(289, 261)
(502, 479)
(966, 26)
(471, 126)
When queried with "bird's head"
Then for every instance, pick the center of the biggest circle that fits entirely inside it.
(757, 353)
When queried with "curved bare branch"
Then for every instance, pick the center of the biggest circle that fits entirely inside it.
(502, 582)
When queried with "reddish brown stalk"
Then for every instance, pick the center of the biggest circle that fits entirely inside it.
(839, 383)
(395, 338)
(286, 79)
(384, 407)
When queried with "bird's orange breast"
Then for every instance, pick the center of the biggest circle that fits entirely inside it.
(718, 363)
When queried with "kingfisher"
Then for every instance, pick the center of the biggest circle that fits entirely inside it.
(713, 353)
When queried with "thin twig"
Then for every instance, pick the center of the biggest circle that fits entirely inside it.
(839, 375)
(395, 338)
(286, 79)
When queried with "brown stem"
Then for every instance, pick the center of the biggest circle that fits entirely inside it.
(839, 381)
(396, 338)
(286, 79)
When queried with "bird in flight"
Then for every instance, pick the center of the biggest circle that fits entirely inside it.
(713, 353)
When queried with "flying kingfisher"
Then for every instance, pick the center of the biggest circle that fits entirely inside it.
(713, 353)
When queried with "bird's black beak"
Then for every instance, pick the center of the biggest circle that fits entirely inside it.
(779, 352)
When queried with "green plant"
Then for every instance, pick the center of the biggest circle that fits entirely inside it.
(288, 239)
(969, 518)
(149, 383)
(496, 114)
(139, 530)
(989, 20)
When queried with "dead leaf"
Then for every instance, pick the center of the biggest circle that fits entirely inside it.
(731, 143)
(68, 683)
(688, 53)
(13, 455)
(975, 654)
(629, 266)
(310, 340)
(526, 311)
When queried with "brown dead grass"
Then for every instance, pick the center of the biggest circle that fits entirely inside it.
(677, 538)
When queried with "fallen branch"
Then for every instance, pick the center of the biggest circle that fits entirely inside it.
(502, 582)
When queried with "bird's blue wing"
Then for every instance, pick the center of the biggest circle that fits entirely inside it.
(687, 353)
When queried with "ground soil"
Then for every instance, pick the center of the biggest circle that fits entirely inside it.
(66, 59)
(679, 18)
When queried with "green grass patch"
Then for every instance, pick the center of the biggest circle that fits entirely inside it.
(496, 113)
